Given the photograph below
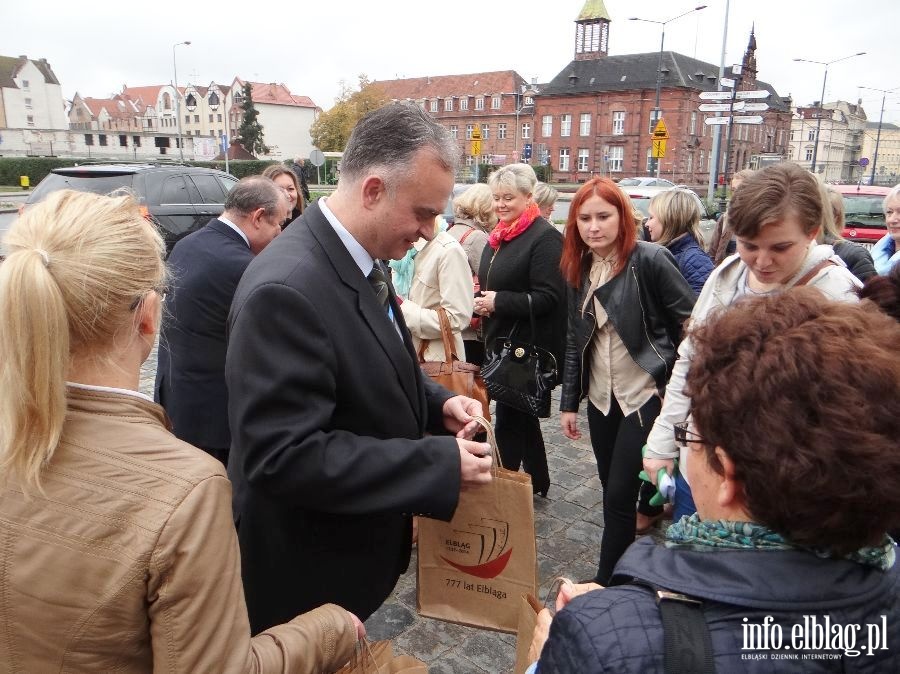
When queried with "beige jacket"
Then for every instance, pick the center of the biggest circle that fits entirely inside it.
(128, 562)
(441, 278)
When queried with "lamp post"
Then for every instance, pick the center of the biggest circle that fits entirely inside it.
(519, 101)
(177, 99)
(884, 93)
(822, 99)
(662, 42)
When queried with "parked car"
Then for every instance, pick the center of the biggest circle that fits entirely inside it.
(641, 196)
(863, 212)
(179, 199)
(647, 181)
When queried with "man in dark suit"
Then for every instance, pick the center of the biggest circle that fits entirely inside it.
(327, 404)
(205, 269)
(299, 168)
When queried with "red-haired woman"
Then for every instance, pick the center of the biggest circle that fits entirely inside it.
(626, 305)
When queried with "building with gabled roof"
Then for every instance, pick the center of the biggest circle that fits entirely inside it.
(286, 118)
(840, 130)
(32, 107)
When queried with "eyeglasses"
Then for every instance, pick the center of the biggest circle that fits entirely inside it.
(684, 435)
(161, 290)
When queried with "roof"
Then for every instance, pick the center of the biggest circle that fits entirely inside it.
(11, 65)
(475, 84)
(148, 95)
(275, 94)
(628, 72)
(116, 107)
(884, 126)
(593, 9)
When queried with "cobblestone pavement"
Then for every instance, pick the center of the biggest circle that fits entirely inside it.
(568, 525)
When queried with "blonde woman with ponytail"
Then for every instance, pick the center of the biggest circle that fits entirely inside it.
(119, 549)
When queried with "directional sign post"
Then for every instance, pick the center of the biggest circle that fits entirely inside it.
(715, 95)
(658, 142)
(722, 107)
(476, 142)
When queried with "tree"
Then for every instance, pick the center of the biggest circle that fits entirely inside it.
(250, 133)
(332, 129)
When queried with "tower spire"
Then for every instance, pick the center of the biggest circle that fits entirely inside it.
(592, 31)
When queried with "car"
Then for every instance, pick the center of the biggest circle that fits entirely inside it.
(641, 196)
(179, 199)
(863, 212)
(647, 181)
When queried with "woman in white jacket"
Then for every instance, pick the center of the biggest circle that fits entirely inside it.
(775, 218)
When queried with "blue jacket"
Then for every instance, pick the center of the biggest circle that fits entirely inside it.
(619, 629)
(694, 263)
(885, 254)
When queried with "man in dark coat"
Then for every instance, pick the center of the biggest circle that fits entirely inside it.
(327, 403)
(205, 269)
(299, 167)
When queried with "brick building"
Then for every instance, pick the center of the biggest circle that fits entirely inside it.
(596, 116)
(499, 103)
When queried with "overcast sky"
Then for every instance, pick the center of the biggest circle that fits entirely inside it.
(312, 46)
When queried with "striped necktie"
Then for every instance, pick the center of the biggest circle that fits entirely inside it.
(378, 280)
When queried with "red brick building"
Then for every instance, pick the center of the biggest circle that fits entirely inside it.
(597, 115)
(497, 103)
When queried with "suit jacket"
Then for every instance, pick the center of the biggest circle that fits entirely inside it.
(328, 408)
(205, 268)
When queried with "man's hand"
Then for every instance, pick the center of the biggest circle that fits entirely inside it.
(568, 592)
(652, 467)
(458, 412)
(539, 638)
(569, 423)
(474, 463)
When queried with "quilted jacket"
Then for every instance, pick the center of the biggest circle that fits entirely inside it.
(695, 265)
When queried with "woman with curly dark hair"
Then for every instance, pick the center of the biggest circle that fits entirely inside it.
(794, 467)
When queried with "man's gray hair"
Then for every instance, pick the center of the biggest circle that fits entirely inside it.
(254, 192)
(386, 139)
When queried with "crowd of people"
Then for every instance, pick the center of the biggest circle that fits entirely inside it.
(261, 506)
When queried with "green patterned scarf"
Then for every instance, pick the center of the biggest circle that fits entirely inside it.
(695, 534)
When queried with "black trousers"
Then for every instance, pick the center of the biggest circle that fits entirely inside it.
(520, 442)
(617, 441)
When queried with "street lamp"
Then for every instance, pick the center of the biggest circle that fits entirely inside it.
(884, 93)
(177, 104)
(662, 42)
(822, 98)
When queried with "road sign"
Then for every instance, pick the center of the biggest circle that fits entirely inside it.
(526, 151)
(726, 82)
(863, 161)
(475, 150)
(715, 95)
(317, 157)
(660, 132)
(758, 93)
(748, 119)
(716, 121)
(754, 107)
(722, 107)
(659, 148)
(476, 133)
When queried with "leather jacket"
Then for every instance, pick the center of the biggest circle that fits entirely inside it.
(647, 304)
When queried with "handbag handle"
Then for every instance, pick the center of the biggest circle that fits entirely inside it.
(492, 440)
(446, 335)
(515, 326)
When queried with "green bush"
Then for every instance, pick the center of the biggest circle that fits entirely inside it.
(544, 173)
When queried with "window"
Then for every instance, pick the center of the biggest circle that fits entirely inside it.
(563, 159)
(448, 105)
(583, 156)
(811, 134)
(565, 125)
(529, 100)
(650, 166)
(454, 131)
(809, 154)
(174, 191)
(584, 127)
(485, 131)
(136, 141)
(479, 103)
(526, 130)
(197, 119)
(464, 103)
(187, 119)
(486, 159)
(693, 130)
(618, 123)
(28, 104)
(26, 84)
(434, 105)
(501, 131)
(469, 128)
(495, 102)
(547, 126)
(123, 141)
(616, 156)
(196, 132)
(690, 162)
(210, 118)
(700, 163)
(210, 189)
(102, 139)
(219, 117)
(654, 118)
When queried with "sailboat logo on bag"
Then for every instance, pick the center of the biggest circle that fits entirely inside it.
(480, 550)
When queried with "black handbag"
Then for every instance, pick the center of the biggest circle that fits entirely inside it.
(520, 374)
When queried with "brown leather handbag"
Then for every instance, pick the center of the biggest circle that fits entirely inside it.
(452, 373)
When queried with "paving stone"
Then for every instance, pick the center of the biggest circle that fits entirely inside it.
(584, 496)
(565, 511)
(424, 641)
(585, 533)
(567, 480)
(544, 526)
(587, 468)
(455, 663)
(572, 453)
(389, 621)
(595, 515)
(562, 549)
(556, 463)
(490, 653)
(593, 482)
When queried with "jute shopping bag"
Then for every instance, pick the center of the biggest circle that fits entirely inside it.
(378, 657)
(529, 607)
(474, 569)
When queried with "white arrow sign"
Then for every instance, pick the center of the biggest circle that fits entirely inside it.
(715, 95)
(759, 93)
(722, 107)
(713, 121)
(755, 107)
(748, 119)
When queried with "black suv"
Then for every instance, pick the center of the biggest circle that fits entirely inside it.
(179, 199)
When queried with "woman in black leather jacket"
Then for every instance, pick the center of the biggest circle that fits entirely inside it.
(627, 302)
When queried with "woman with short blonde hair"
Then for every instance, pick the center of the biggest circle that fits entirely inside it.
(855, 256)
(674, 223)
(545, 197)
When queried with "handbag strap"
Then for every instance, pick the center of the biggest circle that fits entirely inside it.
(808, 276)
(531, 319)
(492, 440)
(446, 335)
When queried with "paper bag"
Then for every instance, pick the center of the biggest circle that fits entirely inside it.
(378, 657)
(474, 569)
(529, 607)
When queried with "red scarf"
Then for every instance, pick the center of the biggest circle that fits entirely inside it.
(509, 231)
